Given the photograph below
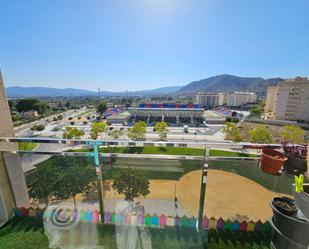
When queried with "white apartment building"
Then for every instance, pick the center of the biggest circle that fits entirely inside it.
(230, 99)
(292, 101)
(240, 98)
(222, 100)
(209, 100)
(271, 97)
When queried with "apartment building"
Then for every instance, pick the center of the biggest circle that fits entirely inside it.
(234, 99)
(222, 98)
(240, 98)
(209, 100)
(292, 100)
(271, 97)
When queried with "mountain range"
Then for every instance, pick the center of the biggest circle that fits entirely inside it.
(19, 92)
(219, 83)
(226, 82)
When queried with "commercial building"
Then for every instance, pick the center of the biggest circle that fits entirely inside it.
(271, 97)
(208, 100)
(172, 113)
(292, 100)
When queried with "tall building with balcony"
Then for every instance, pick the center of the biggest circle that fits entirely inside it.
(13, 189)
(292, 100)
(209, 100)
(271, 97)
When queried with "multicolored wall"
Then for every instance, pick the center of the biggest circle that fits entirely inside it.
(159, 221)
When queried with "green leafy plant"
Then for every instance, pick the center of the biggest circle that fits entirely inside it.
(72, 133)
(39, 127)
(138, 131)
(161, 129)
(292, 134)
(260, 134)
(101, 107)
(131, 184)
(232, 132)
(97, 128)
(116, 133)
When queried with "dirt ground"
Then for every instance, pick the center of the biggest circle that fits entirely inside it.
(227, 195)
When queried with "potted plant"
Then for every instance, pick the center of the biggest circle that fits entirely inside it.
(296, 154)
(302, 199)
(293, 229)
(284, 205)
(272, 161)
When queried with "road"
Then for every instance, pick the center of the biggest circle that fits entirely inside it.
(24, 130)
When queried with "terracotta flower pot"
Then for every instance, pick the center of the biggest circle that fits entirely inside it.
(272, 161)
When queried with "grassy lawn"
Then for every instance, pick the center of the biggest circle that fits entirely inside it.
(168, 151)
(150, 150)
(28, 233)
(230, 153)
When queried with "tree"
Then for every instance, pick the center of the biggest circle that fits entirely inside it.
(41, 107)
(76, 177)
(116, 133)
(160, 128)
(255, 111)
(292, 134)
(260, 135)
(131, 184)
(39, 127)
(67, 104)
(101, 107)
(234, 119)
(138, 131)
(28, 104)
(61, 177)
(96, 128)
(72, 133)
(43, 182)
(232, 132)
(60, 117)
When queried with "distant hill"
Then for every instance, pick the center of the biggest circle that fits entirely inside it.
(162, 90)
(219, 83)
(226, 82)
(19, 92)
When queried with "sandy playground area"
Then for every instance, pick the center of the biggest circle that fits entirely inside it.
(227, 195)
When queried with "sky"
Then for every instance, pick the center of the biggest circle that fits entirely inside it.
(120, 45)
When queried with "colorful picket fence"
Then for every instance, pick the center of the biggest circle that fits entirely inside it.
(159, 221)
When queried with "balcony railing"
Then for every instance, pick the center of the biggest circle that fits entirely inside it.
(204, 186)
